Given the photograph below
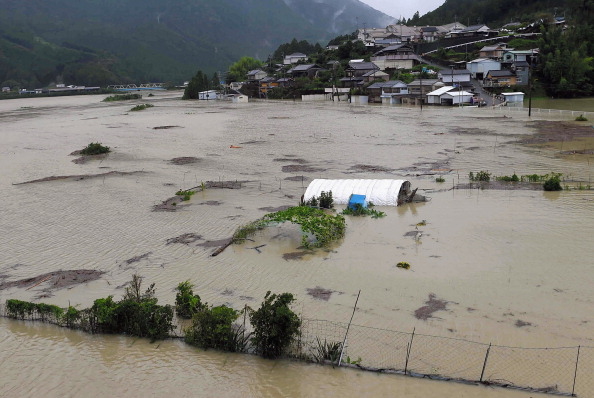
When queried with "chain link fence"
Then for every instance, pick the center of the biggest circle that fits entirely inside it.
(561, 371)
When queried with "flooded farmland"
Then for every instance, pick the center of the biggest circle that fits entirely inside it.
(506, 266)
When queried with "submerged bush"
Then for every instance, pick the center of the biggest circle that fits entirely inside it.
(186, 302)
(137, 314)
(276, 326)
(581, 118)
(553, 183)
(95, 148)
(186, 195)
(213, 327)
(513, 178)
(480, 176)
(141, 107)
(325, 201)
(359, 210)
(122, 97)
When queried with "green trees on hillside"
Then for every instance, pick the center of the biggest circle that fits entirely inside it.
(239, 70)
(295, 46)
(567, 56)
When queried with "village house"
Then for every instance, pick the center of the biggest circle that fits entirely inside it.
(499, 78)
(522, 72)
(387, 92)
(511, 56)
(434, 97)
(399, 56)
(305, 70)
(494, 52)
(421, 87)
(474, 30)
(355, 73)
(478, 67)
(256, 75)
(294, 58)
(375, 75)
(266, 84)
(454, 76)
(429, 33)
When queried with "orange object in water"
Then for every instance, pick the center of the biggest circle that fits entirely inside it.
(233, 146)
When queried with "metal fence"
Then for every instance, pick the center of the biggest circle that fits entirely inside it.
(561, 371)
(540, 112)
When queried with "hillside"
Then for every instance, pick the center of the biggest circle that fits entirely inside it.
(494, 13)
(96, 43)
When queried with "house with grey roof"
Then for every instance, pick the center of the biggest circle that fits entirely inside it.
(398, 56)
(256, 75)
(305, 70)
(387, 92)
(294, 58)
(454, 76)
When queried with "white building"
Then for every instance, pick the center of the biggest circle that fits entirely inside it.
(513, 97)
(479, 67)
(456, 97)
(434, 97)
(207, 95)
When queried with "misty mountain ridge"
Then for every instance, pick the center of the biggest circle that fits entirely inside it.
(112, 41)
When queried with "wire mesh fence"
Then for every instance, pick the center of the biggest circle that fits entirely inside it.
(541, 111)
(561, 371)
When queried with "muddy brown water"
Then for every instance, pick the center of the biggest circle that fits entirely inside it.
(515, 257)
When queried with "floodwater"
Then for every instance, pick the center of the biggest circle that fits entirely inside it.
(513, 266)
(572, 104)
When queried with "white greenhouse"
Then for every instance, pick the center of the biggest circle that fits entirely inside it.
(378, 192)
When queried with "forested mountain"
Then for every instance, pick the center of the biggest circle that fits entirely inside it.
(493, 13)
(92, 42)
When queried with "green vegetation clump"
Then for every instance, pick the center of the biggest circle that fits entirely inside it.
(122, 97)
(325, 201)
(141, 107)
(95, 148)
(439, 179)
(137, 314)
(276, 326)
(324, 228)
(513, 178)
(581, 118)
(553, 183)
(186, 302)
(21, 309)
(480, 176)
(403, 264)
(186, 195)
(359, 210)
(327, 351)
(213, 327)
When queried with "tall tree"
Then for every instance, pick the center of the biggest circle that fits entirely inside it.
(238, 71)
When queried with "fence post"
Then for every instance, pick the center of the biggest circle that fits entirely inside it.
(347, 331)
(408, 348)
(485, 363)
(577, 359)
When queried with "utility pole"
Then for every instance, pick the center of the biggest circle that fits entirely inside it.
(529, 91)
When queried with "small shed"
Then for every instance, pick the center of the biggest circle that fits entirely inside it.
(379, 192)
(513, 97)
(207, 95)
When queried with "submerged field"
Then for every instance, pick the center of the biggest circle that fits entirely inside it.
(507, 266)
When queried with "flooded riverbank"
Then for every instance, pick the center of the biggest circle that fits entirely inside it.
(513, 265)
